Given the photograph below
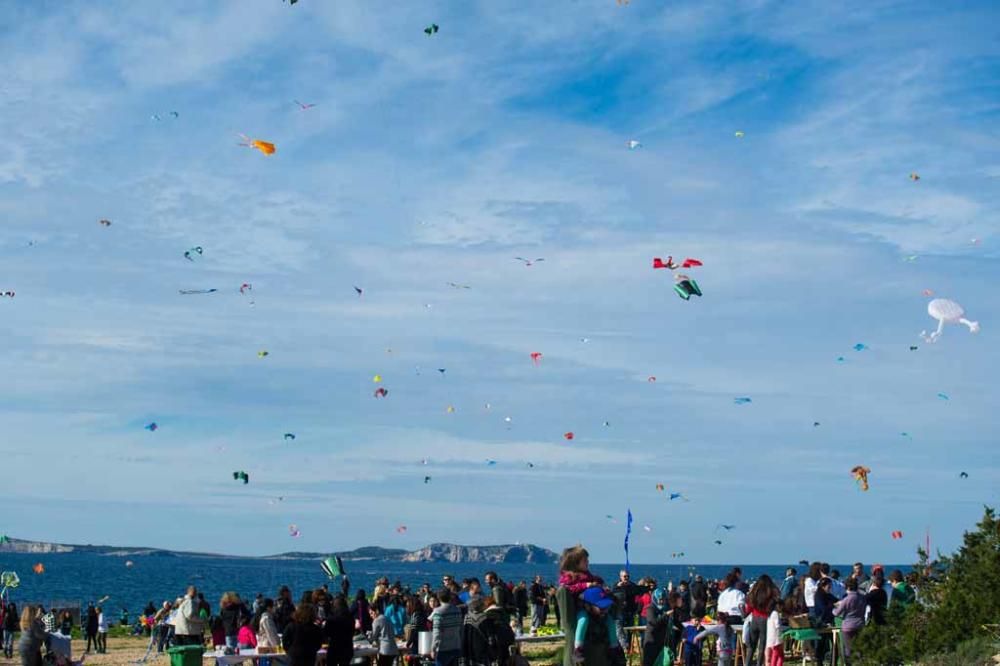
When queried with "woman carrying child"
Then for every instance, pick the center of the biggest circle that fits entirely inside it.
(592, 598)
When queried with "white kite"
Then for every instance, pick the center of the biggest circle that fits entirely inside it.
(947, 312)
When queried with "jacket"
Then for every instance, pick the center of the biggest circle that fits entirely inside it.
(852, 609)
(504, 600)
(302, 642)
(30, 645)
(446, 635)
(396, 615)
(268, 635)
(283, 609)
(383, 636)
(232, 618)
(339, 630)
(188, 621)
(657, 624)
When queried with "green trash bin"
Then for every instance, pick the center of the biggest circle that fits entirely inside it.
(186, 655)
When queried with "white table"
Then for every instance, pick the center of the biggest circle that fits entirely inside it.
(244, 655)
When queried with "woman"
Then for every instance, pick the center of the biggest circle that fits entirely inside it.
(811, 582)
(233, 614)
(762, 595)
(732, 601)
(383, 637)
(824, 603)
(302, 638)
(359, 611)
(265, 626)
(852, 609)
(10, 627)
(339, 630)
(416, 621)
(877, 599)
(102, 631)
(33, 636)
(91, 628)
(657, 618)
(66, 623)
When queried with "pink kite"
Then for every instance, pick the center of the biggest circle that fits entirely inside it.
(569, 435)
(380, 392)
(536, 357)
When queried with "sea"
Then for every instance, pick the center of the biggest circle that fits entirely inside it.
(72, 579)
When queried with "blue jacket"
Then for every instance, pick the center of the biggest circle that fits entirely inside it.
(397, 618)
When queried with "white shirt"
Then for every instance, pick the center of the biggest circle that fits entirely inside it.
(773, 629)
(810, 592)
(732, 602)
(102, 624)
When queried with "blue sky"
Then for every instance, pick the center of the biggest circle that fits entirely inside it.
(429, 160)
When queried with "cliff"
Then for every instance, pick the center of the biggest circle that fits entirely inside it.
(448, 552)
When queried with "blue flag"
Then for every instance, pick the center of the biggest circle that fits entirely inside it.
(628, 533)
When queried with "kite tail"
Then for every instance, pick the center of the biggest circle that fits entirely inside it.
(973, 325)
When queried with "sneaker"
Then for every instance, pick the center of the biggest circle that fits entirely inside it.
(578, 655)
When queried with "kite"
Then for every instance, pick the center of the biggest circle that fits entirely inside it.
(569, 435)
(686, 287)
(293, 531)
(290, 435)
(423, 461)
(190, 292)
(946, 312)
(275, 500)
(450, 409)
(380, 392)
(840, 359)
(10, 580)
(742, 401)
(911, 258)
(804, 563)
(674, 496)
(529, 262)
(333, 567)
(263, 353)
(39, 568)
(157, 117)
(739, 134)
(669, 263)
(531, 465)
(105, 223)
(8, 294)
(195, 250)
(4, 539)
(241, 476)
(914, 176)
(490, 462)
(651, 379)
(904, 434)
(507, 419)
(628, 533)
(377, 379)
(401, 529)
(927, 292)
(245, 287)
(860, 347)
(896, 534)
(291, 2)
(302, 106)
(633, 144)
(129, 564)
(151, 427)
(718, 542)
(536, 357)
(427, 479)
(584, 340)
(431, 29)
(725, 527)
(963, 475)
(442, 370)
(680, 554)
(660, 487)
(263, 146)
(914, 348)
(610, 517)
(647, 528)
(943, 396)
(861, 473)
(815, 424)
(456, 285)
(359, 290)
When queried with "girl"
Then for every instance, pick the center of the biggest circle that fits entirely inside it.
(591, 598)
(383, 637)
(102, 631)
(760, 601)
(264, 625)
(302, 638)
(246, 638)
(774, 648)
(726, 642)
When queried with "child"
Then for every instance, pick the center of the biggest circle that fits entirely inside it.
(774, 650)
(692, 648)
(591, 596)
(246, 639)
(727, 638)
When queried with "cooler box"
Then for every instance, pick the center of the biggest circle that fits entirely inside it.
(186, 655)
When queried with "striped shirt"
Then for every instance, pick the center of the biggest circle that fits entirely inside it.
(447, 635)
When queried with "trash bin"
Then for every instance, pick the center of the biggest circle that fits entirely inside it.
(186, 655)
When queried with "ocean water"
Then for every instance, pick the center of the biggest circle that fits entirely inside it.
(84, 577)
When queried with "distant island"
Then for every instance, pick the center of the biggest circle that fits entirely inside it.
(435, 552)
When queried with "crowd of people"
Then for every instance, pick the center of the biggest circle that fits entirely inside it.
(480, 621)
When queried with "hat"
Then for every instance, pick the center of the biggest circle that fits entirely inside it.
(595, 596)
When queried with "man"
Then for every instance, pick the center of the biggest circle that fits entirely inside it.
(537, 597)
(162, 628)
(858, 574)
(446, 635)
(625, 592)
(521, 603)
(284, 607)
(791, 583)
(188, 625)
(699, 597)
(683, 610)
(503, 598)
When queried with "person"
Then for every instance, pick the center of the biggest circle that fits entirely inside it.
(302, 639)
(809, 589)
(877, 599)
(162, 628)
(824, 603)
(699, 597)
(852, 609)
(732, 600)
(692, 647)
(66, 623)
(395, 613)
(727, 637)
(416, 621)
(359, 611)
(33, 636)
(90, 630)
(246, 637)
(339, 632)
(380, 592)
(790, 584)
(283, 608)
(538, 599)
(102, 631)
(10, 628)
(263, 624)
(902, 594)
(644, 598)
(837, 587)
(188, 623)
(48, 620)
(234, 615)
(625, 593)
(659, 616)
(521, 604)
(446, 630)
(684, 590)
(575, 576)
(858, 574)
(553, 603)
(258, 604)
(760, 601)
(123, 617)
(774, 648)
(503, 598)
(383, 637)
